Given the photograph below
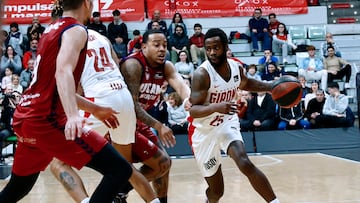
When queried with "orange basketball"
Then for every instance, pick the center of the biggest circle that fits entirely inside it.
(286, 91)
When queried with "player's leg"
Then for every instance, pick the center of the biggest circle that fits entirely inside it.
(71, 181)
(258, 180)
(137, 180)
(215, 188)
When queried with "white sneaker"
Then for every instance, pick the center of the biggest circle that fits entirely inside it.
(347, 85)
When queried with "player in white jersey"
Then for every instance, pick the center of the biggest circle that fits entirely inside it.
(102, 83)
(215, 124)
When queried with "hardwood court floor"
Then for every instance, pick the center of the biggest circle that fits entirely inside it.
(296, 178)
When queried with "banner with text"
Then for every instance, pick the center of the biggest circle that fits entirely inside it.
(224, 8)
(22, 12)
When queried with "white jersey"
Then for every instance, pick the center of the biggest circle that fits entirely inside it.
(219, 91)
(101, 75)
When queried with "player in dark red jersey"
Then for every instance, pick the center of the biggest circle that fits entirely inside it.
(145, 73)
(47, 122)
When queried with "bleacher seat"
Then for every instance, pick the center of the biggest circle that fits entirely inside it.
(316, 32)
(298, 34)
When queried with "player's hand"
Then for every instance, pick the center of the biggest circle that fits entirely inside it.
(187, 104)
(74, 127)
(166, 136)
(226, 108)
(107, 116)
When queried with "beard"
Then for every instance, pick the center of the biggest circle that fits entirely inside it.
(221, 59)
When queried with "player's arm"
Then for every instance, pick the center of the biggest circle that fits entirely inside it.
(252, 85)
(73, 39)
(176, 81)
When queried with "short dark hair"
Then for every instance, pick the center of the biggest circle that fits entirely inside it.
(149, 32)
(272, 14)
(116, 12)
(333, 85)
(197, 25)
(136, 32)
(217, 32)
(96, 14)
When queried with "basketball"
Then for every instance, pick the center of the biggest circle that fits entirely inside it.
(286, 91)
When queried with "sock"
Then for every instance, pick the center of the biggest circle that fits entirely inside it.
(164, 200)
(275, 201)
(155, 200)
(86, 200)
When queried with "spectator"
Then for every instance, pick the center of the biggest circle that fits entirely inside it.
(196, 42)
(230, 55)
(271, 72)
(305, 89)
(273, 24)
(178, 42)
(118, 34)
(315, 108)
(15, 81)
(292, 118)
(252, 72)
(26, 74)
(35, 27)
(260, 114)
(266, 59)
(136, 40)
(183, 66)
(312, 68)
(282, 41)
(11, 60)
(157, 17)
(15, 39)
(177, 114)
(329, 42)
(31, 54)
(259, 31)
(97, 24)
(243, 98)
(176, 20)
(312, 94)
(336, 111)
(337, 67)
(159, 111)
(7, 79)
(3, 38)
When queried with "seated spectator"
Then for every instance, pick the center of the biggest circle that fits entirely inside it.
(312, 94)
(271, 72)
(312, 68)
(305, 89)
(7, 79)
(259, 31)
(35, 27)
(26, 74)
(15, 81)
(15, 39)
(273, 24)
(178, 42)
(3, 37)
(118, 34)
(266, 59)
(315, 108)
(157, 18)
(137, 39)
(282, 41)
(177, 114)
(337, 67)
(260, 114)
(11, 60)
(97, 24)
(230, 55)
(292, 118)
(243, 98)
(336, 111)
(159, 110)
(31, 54)
(251, 72)
(329, 42)
(183, 66)
(196, 42)
(176, 20)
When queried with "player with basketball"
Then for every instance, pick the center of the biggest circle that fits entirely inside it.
(47, 122)
(215, 124)
(145, 73)
(102, 83)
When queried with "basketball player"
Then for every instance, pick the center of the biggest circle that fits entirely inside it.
(215, 122)
(102, 83)
(144, 74)
(47, 122)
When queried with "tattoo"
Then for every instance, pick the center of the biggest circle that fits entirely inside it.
(67, 181)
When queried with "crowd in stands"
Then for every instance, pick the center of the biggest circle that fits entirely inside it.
(321, 107)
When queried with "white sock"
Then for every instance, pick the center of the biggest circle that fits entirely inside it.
(155, 201)
(275, 201)
(86, 200)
